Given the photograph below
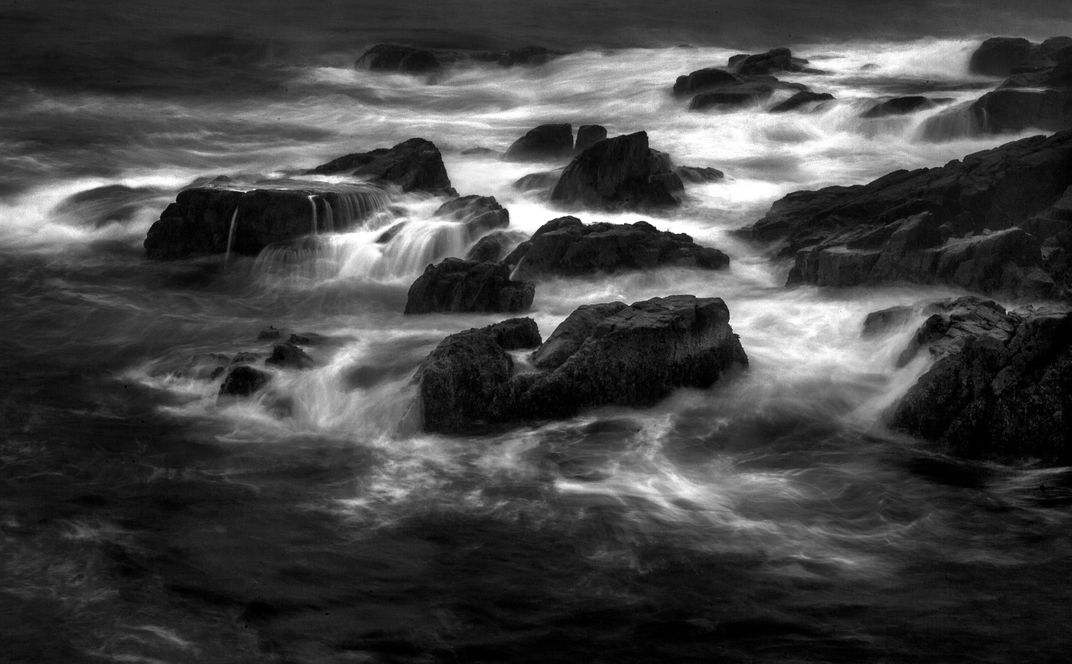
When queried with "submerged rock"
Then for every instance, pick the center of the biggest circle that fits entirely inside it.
(1000, 387)
(547, 142)
(289, 356)
(413, 165)
(568, 247)
(242, 381)
(699, 174)
(956, 224)
(800, 99)
(619, 173)
(535, 181)
(741, 94)
(606, 354)
(456, 285)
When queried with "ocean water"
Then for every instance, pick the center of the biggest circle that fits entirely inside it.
(770, 518)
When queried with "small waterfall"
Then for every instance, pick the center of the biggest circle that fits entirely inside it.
(312, 202)
(961, 121)
(418, 244)
(230, 237)
(345, 208)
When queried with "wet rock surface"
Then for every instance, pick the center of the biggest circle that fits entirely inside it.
(456, 285)
(413, 165)
(547, 142)
(619, 173)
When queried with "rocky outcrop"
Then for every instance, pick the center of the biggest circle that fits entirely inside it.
(960, 223)
(900, 106)
(547, 142)
(606, 354)
(1000, 387)
(619, 173)
(242, 381)
(589, 135)
(568, 247)
(413, 165)
(456, 285)
(411, 60)
(211, 220)
(746, 80)
(998, 56)
(799, 100)
(479, 213)
(494, 247)
(702, 80)
(289, 356)
(776, 60)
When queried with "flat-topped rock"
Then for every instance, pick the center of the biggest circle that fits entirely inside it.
(413, 165)
(568, 247)
(456, 285)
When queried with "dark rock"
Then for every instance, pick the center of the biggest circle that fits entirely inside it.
(773, 61)
(800, 99)
(1010, 110)
(308, 339)
(847, 228)
(619, 173)
(289, 356)
(881, 322)
(242, 381)
(390, 233)
(631, 355)
(413, 165)
(269, 333)
(456, 285)
(999, 56)
(1000, 387)
(459, 380)
(568, 247)
(534, 181)
(589, 135)
(494, 247)
(699, 174)
(547, 142)
(738, 95)
(900, 106)
(205, 220)
(702, 80)
(479, 151)
(572, 333)
(479, 213)
(396, 58)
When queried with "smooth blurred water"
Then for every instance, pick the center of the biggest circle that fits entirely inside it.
(770, 518)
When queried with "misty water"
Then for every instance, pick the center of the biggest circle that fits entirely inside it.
(769, 518)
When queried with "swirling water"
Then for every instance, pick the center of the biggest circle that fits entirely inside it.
(770, 518)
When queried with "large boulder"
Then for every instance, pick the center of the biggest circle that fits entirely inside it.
(967, 201)
(547, 142)
(1000, 387)
(568, 247)
(610, 354)
(479, 213)
(999, 56)
(705, 79)
(456, 285)
(619, 173)
(213, 220)
(413, 165)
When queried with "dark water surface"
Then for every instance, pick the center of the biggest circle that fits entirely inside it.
(768, 519)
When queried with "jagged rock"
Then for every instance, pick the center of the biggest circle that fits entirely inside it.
(206, 220)
(411, 60)
(479, 213)
(619, 173)
(880, 322)
(838, 233)
(589, 135)
(456, 285)
(413, 165)
(800, 99)
(773, 61)
(242, 381)
(1000, 387)
(900, 106)
(289, 356)
(629, 355)
(494, 247)
(547, 142)
(572, 333)
(699, 174)
(568, 247)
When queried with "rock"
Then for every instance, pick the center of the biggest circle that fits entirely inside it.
(699, 174)
(900, 106)
(289, 356)
(269, 333)
(589, 135)
(1010, 110)
(629, 355)
(800, 99)
(100, 206)
(739, 95)
(242, 381)
(999, 56)
(619, 173)
(837, 234)
(208, 220)
(479, 151)
(702, 80)
(479, 213)
(568, 247)
(1000, 387)
(547, 142)
(413, 165)
(494, 247)
(881, 322)
(773, 61)
(459, 380)
(534, 181)
(396, 58)
(308, 339)
(456, 285)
